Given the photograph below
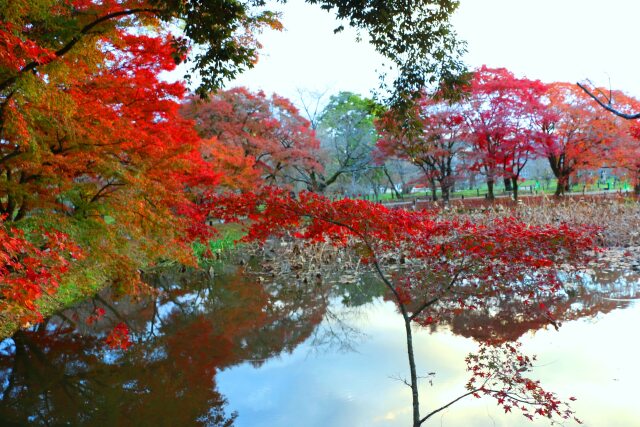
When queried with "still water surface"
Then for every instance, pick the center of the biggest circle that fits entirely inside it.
(235, 350)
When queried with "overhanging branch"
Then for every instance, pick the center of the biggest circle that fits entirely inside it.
(71, 43)
(608, 105)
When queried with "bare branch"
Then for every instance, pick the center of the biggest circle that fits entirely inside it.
(608, 105)
(443, 407)
(435, 299)
(399, 378)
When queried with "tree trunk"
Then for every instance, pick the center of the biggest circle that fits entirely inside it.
(22, 211)
(472, 181)
(415, 398)
(434, 191)
(514, 186)
(490, 195)
(507, 184)
(636, 189)
(393, 185)
(558, 171)
(376, 190)
(563, 185)
(315, 184)
(444, 189)
(559, 189)
(413, 372)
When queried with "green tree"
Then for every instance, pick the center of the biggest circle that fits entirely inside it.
(347, 136)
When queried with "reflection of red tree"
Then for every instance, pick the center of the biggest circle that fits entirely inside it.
(451, 265)
(166, 378)
(507, 319)
(119, 337)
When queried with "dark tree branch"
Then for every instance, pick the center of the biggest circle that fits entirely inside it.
(102, 191)
(442, 408)
(608, 105)
(393, 185)
(435, 299)
(8, 156)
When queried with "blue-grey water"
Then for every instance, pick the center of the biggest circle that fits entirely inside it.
(235, 350)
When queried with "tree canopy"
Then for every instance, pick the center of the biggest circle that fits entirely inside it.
(415, 37)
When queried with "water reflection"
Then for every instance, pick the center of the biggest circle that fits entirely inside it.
(61, 373)
(503, 318)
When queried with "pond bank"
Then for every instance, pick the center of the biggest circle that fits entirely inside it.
(82, 285)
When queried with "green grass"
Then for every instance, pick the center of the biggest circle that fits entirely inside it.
(229, 235)
(524, 188)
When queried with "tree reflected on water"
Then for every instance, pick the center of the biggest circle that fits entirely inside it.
(505, 318)
(62, 373)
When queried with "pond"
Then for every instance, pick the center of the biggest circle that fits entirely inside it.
(230, 347)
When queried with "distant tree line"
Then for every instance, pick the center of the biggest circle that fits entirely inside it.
(499, 125)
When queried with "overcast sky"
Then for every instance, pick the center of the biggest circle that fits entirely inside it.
(550, 40)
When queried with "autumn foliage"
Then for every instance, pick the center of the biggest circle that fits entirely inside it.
(107, 168)
(28, 270)
(509, 387)
(93, 145)
(257, 140)
(577, 135)
(119, 337)
(500, 124)
(451, 266)
(442, 255)
(431, 138)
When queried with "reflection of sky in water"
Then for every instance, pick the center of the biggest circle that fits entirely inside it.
(208, 326)
(592, 359)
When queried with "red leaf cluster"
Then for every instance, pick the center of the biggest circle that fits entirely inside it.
(119, 337)
(255, 139)
(444, 258)
(499, 372)
(29, 270)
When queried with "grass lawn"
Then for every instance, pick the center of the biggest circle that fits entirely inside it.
(529, 186)
(226, 240)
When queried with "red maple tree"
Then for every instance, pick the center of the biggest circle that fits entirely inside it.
(92, 142)
(451, 266)
(430, 137)
(576, 135)
(499, 113)
(260, 140)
